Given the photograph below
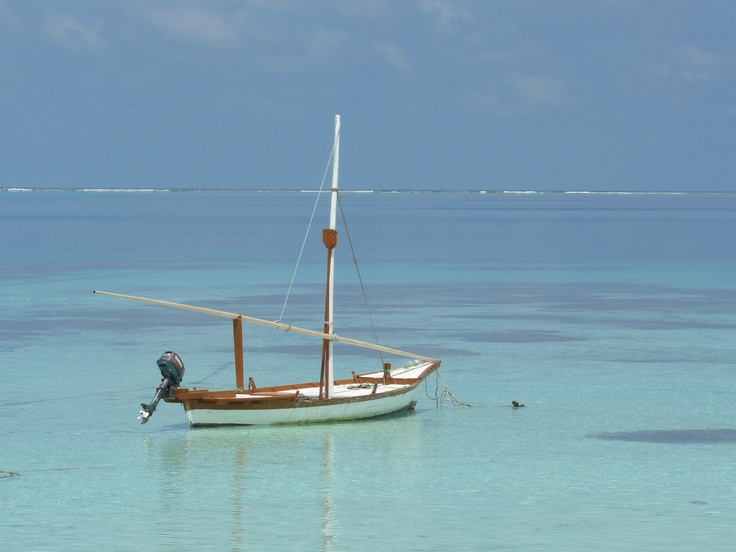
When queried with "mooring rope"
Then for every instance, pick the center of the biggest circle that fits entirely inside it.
(440, 395)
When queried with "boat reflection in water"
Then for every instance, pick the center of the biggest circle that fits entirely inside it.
(317, 488)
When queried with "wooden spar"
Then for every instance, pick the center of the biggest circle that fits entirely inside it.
(329, 238)
(261, 322)
(238, 349)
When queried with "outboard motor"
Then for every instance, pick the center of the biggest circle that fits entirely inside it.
(172, 372)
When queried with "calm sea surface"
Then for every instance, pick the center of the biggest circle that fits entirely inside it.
(612, 317)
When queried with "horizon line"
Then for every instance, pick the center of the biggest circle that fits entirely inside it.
(24, 189)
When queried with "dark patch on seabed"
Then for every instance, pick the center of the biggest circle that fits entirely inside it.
(670, 436)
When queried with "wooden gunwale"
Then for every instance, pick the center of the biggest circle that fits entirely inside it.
(181, 393)
(275, 397)
(278, 392)
(276, 402)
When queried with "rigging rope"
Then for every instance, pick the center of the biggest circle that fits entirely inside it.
(306, 235)
(352, 252)
(360, 277)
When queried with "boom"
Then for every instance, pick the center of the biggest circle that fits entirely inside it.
(262, 322)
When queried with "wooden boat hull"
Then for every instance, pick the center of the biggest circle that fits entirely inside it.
(364, 396)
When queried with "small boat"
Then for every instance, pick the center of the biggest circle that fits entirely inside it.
(385, 391)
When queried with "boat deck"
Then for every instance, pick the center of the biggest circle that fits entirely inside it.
(340, 390)
(359, 387)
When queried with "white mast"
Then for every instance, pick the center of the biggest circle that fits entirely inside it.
(329, 372)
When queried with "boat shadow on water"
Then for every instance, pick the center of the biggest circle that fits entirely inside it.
(670, 436)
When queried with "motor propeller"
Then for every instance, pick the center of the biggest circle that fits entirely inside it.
(172, 373)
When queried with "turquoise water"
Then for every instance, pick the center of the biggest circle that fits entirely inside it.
(610, 316)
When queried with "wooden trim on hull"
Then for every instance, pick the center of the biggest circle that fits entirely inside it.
(294, 404)
(271, 401)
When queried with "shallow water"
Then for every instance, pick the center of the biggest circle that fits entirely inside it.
(610, 317)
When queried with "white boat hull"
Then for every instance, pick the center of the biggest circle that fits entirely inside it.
(365, 397)
(304, 414)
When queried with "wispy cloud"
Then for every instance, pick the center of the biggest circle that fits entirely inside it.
(210, 27)
(675, 66)
(325, 41)
(694, 64)
(518, 94)
(67, 30)
(394, 57)
(445, 15)
(488, 103)
(539, 90)
(323, 47)
(360, 9)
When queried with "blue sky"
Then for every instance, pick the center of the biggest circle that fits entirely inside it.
(434, 94)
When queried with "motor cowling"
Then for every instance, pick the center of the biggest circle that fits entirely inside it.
(171, 367)
(172, 373)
